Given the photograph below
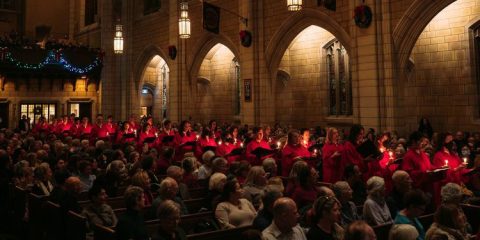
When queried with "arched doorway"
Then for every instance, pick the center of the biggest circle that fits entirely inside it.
(313, 80)
(154, 90)
(218, 85)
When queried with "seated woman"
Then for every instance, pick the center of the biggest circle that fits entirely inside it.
(448, 224)
(349, 211)
(375, 210)
(215, 186)
(43, 175)
(23, 177)
(255, 185)
(415, 203)
(131, 224)
(141, 179)
(304, 193)
(234, 211)
(326, 219)
(168, 214)
(99, 212)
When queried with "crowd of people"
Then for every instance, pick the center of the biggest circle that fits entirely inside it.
(287, 183)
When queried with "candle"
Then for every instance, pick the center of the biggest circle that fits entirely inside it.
(219, 142)
(390, 154)
(278, 144)
(235, 141)
(241, 145)
(465, 161)
(315, 151)
(446, 162)
(305, 142)
(198, 136)
(156, 134)
(108, 134)
(135, 131)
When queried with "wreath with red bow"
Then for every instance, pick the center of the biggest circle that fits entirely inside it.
(245, 38)
(363, 16)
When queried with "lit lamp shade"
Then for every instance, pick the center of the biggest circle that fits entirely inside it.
(118, 40)
(294, 5)
(184, 21)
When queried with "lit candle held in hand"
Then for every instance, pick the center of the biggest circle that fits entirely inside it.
(278, 144)
(465, 161)
(446, 163)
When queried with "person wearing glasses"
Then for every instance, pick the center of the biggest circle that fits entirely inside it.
(325, 220)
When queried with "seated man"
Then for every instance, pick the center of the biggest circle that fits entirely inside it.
(402, 183)
(176, 173)
(285, 222)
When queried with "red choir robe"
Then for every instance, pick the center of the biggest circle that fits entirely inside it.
(226, 148)
(333, 167)
(64, 128)
(41, 128)
(121, 139)
(290, 154)
(252, 158)
(74, 129)
(417, 164)
(145, 135)
(351, 156)
(85, 130)
(388, 169)
(202, 143)
(162, 134)
(111, 128)
(99, 132)
(181, 148)
(452, 175)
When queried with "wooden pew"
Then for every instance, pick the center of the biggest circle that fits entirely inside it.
(76, 226)
(55, 224)
(115, 202)
(472, 213)
(36, 225)
(103, 233)
(382, 231)
(194, 205)
(19, 202)
(230, 234)
(200, 192)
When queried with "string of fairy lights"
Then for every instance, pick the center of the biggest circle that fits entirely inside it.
(54, 58)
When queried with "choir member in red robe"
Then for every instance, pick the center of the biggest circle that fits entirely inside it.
(447, 156)
(237, 141)
(307, 142)
(257, 142)
(350, 153)
(333, 165)
(267, 134)
(41, 127)
(147, 133)
(99, 131)
(226, 148)
(417, 163)
(207, 139)
(110, 127)
(133, 123)
(126, 135)
(74, 129)
(53, 125)
(85, 128)
(165, 131)
(149, 121)
(293, 151)
(183, 140)
(63, 128)
(217, 134)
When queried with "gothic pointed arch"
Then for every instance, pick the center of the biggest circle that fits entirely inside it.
(146, 55)
(294, 25)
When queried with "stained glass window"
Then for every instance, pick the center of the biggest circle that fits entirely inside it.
(338, 78)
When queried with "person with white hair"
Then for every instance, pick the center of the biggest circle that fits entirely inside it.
(205, 170)
(375, 209)
(343, 193)
(403, 232)
(402, 183)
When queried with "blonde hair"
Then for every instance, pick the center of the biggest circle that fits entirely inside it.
(139, 179)
(403, 232)
(330, 131)
(216, 180)
(253, 174)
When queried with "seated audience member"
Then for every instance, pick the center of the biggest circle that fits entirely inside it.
(141, 179)
(305, 193)
(85, 175)
(42, 180)
(215, 186)
(275, 183)
(168, 191)
(220, 164)
(403, 232)
(233, 210)
(402, 183)
(242, 171)
(176, 173)
(353, 176)
(375, 210)
(99, 212)
(23, 175)
(205, 170)
(254, 186)
(452, 193)
(270, 167)
(349, 212)
(115, 177)
(68, 201)
(265, 215)
(190, 174)
(448, 224)
(359, 230)
(326, 219)
(148, 165)
(292, 177)
(131, 224)
(415, 203)
(285, 222)
(168, 214)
